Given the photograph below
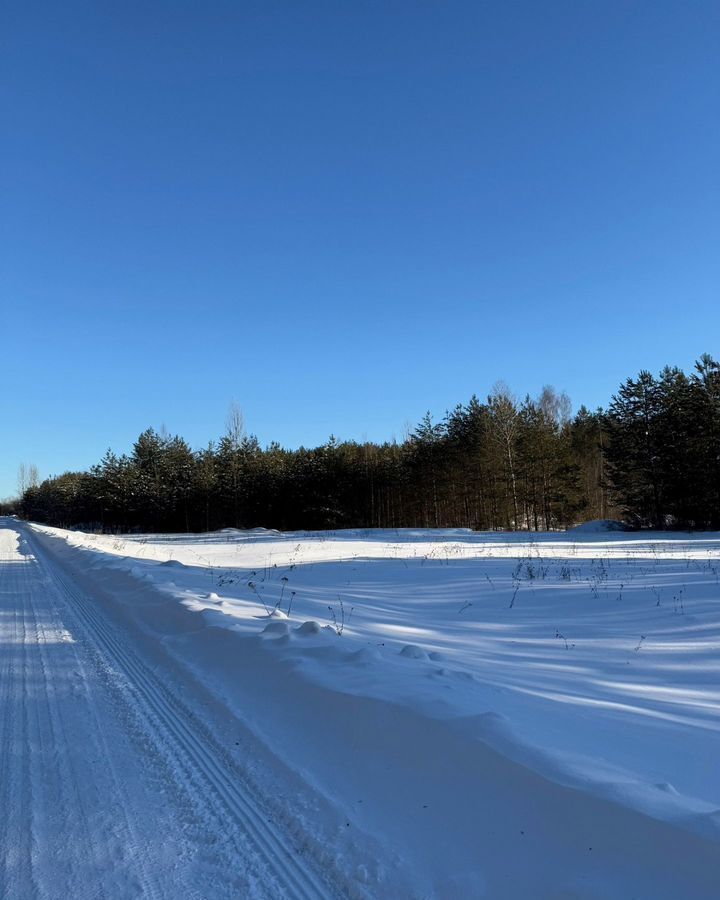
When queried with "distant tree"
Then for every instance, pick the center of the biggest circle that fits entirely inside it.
(706, 454)
(664, 446)
(589, 440)
(634, 451)
(27, 477)
(504, 425)
(426, 458)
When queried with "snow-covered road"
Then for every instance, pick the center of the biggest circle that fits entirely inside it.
(112, 781)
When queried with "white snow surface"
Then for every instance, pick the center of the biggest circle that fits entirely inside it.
(412, 713)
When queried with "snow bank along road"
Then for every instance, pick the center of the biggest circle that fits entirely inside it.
(410, 714)
(112, 782)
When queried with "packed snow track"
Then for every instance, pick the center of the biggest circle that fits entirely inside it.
(112, 783)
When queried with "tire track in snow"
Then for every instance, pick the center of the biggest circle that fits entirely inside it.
(8, 637)
(70, 798)
(62, 817)
(17, 810)
(192, 754)
(58, 773)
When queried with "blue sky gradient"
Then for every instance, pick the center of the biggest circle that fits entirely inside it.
(343, 214)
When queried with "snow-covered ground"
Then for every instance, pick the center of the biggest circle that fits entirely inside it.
(409, 713)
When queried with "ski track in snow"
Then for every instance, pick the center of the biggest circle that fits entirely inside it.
(110, 786)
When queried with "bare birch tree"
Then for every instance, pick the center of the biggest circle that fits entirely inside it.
(28, 477)
(235, 424)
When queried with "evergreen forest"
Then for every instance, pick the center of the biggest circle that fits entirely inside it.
(652, 458)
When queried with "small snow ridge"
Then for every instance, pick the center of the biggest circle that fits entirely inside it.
(311, 627)
(365, 655)
(277, 628)
(412, 651)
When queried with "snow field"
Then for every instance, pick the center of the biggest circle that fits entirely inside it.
(484, 715)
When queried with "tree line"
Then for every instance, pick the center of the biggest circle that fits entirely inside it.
(652, 458)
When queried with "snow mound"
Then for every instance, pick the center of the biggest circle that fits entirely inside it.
(277, 627)
(243, 531)
(412, 651)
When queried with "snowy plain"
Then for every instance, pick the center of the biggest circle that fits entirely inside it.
(440, 714)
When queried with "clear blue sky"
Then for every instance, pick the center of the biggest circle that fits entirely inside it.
(342, 214)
